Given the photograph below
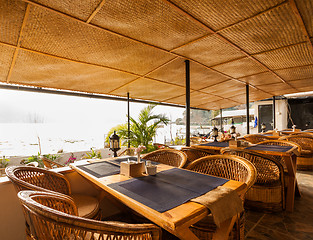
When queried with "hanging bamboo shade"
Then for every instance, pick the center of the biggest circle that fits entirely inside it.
(114, 47)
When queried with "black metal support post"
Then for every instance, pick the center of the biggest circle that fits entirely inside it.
(128, 122)
(247, 107)
(274, 113)
(187, 65)
(221, 112)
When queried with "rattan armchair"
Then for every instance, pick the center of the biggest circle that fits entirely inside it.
(170, 157)
(39, 179)
(268, 191)
(255, 138)
(195, 153)
(225, 166)
(53, 216)
(305, 140)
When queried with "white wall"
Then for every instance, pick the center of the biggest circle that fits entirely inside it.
(281, 114)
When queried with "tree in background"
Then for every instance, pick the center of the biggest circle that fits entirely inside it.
(142, 130)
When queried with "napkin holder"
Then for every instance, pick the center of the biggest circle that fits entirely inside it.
(276, 134)
(234, 143)
(132, 169)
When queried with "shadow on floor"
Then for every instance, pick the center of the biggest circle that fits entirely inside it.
(285, 226)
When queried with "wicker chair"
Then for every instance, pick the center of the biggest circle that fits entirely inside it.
(38, 179)
(53, 216)
(255, 138)
(195, 153)
(305, 140)
(51, 164)
(230, 167)
(268, 192)
(127, 151)
(170, 157)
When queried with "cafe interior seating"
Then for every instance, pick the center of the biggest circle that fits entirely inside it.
(268, 191)
(172, 157)
(195, 153)
(229, 167)
(305, 160)
(39, 179)
(55, 216)
(255, 138)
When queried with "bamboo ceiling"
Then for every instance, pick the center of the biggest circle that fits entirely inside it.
(139, 46)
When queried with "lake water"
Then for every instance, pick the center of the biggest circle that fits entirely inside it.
(22, 139)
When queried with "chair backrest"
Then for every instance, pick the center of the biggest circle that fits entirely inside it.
(305, 140)
(52, 216)
(127, 151)
(226, 166)
(195, 153)
(50, 164)
(170, 157)
(38, 179)
(256, 138)
(269, 170)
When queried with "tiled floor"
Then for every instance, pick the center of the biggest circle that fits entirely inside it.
(286, 226)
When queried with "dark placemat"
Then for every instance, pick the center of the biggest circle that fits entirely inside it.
(216, 144)
(101, 169)
(123, 159)
(167, 189)
(273, 148)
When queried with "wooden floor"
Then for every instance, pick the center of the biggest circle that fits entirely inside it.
(286, 226)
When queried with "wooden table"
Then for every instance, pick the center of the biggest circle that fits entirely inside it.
(176, 220)
(213, 146)
(290, 158)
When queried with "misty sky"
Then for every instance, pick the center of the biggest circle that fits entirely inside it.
(19, 106)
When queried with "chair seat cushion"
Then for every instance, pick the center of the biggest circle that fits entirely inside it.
(87, 206)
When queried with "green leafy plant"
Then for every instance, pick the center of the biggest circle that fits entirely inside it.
(4, 162)
(51, 157)
(93, 154)
(33, 158)
(142, 130)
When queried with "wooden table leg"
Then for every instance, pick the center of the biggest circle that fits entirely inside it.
(290, 196)
(223, 231)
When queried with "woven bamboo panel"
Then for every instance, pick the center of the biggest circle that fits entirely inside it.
(78, 9)
(175, 72)
(240, 68)
(210, 51)
(5, 61)
(222, 13)
(254, 95)
(226, 89)
(278, 88)
(42, 71)
(57, 35)
(296, 73)
(196, 98)
(261, 79)
(293, 56)
(12, 13)
(306, 10)
(224, 103)
(225, 85)
(273, 29)
(303, 85)
(151, 21)
(144, 88)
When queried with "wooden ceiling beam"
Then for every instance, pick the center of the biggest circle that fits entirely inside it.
(93, 14)
(301, 22)
(18, 44)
